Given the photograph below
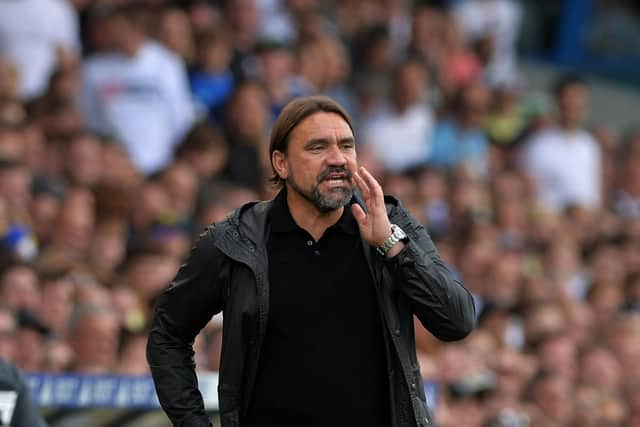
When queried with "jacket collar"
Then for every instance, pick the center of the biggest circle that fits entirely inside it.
(248, 225)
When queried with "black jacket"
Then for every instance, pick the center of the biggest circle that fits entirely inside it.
(15, 398)
(227, 271)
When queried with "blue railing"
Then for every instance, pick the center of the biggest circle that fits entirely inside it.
(114, 391)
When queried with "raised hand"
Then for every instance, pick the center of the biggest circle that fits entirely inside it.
(374, 225)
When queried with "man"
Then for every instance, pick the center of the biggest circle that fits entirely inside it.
(564, 161)
(93, 336)
(318, 290)
(400, 134)
(138, 91)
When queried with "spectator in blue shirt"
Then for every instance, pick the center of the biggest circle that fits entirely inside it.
(212, 81)
(460, 140)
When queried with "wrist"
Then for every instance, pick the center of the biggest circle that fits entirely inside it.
(391, 244)
(380, 241)
(395, 250)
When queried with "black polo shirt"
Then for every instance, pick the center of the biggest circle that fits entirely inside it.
(322, 362)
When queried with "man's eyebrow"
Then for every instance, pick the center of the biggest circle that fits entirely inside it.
(316, 141)
(325, 141)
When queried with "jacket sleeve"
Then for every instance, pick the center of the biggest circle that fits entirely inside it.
(439, 300)
(192, 298)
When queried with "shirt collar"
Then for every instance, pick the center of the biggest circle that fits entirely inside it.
(282, 221)
(279, 216)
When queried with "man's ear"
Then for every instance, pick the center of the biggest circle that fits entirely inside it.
(279, 162)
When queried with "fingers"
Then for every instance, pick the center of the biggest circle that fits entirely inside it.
(362, 185)
(358, 214)
(373, 189)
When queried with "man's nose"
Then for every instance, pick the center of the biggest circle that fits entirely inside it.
(335, 157)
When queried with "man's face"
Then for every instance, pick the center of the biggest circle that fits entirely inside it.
(573, 105)
(96, 341)
(320, 161)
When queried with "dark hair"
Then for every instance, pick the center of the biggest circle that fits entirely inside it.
(201, 137)
(566, 80)
(211, 36)
(294, 113)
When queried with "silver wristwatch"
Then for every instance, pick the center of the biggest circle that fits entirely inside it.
(397, 235)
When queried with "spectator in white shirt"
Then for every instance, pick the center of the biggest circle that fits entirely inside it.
(564, 160)
(497, 21)
(138, 91)
(399, 134)
(32, 35)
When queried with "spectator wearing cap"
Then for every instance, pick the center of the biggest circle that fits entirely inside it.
(30, 342)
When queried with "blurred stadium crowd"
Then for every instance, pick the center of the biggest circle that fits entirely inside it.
(127, 126)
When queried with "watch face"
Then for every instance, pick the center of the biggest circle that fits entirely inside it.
(399, 233)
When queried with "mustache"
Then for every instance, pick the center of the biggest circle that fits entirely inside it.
(335, 170)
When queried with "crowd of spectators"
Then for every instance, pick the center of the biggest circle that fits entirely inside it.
(127, 126)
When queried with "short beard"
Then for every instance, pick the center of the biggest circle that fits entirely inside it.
(337, 197)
